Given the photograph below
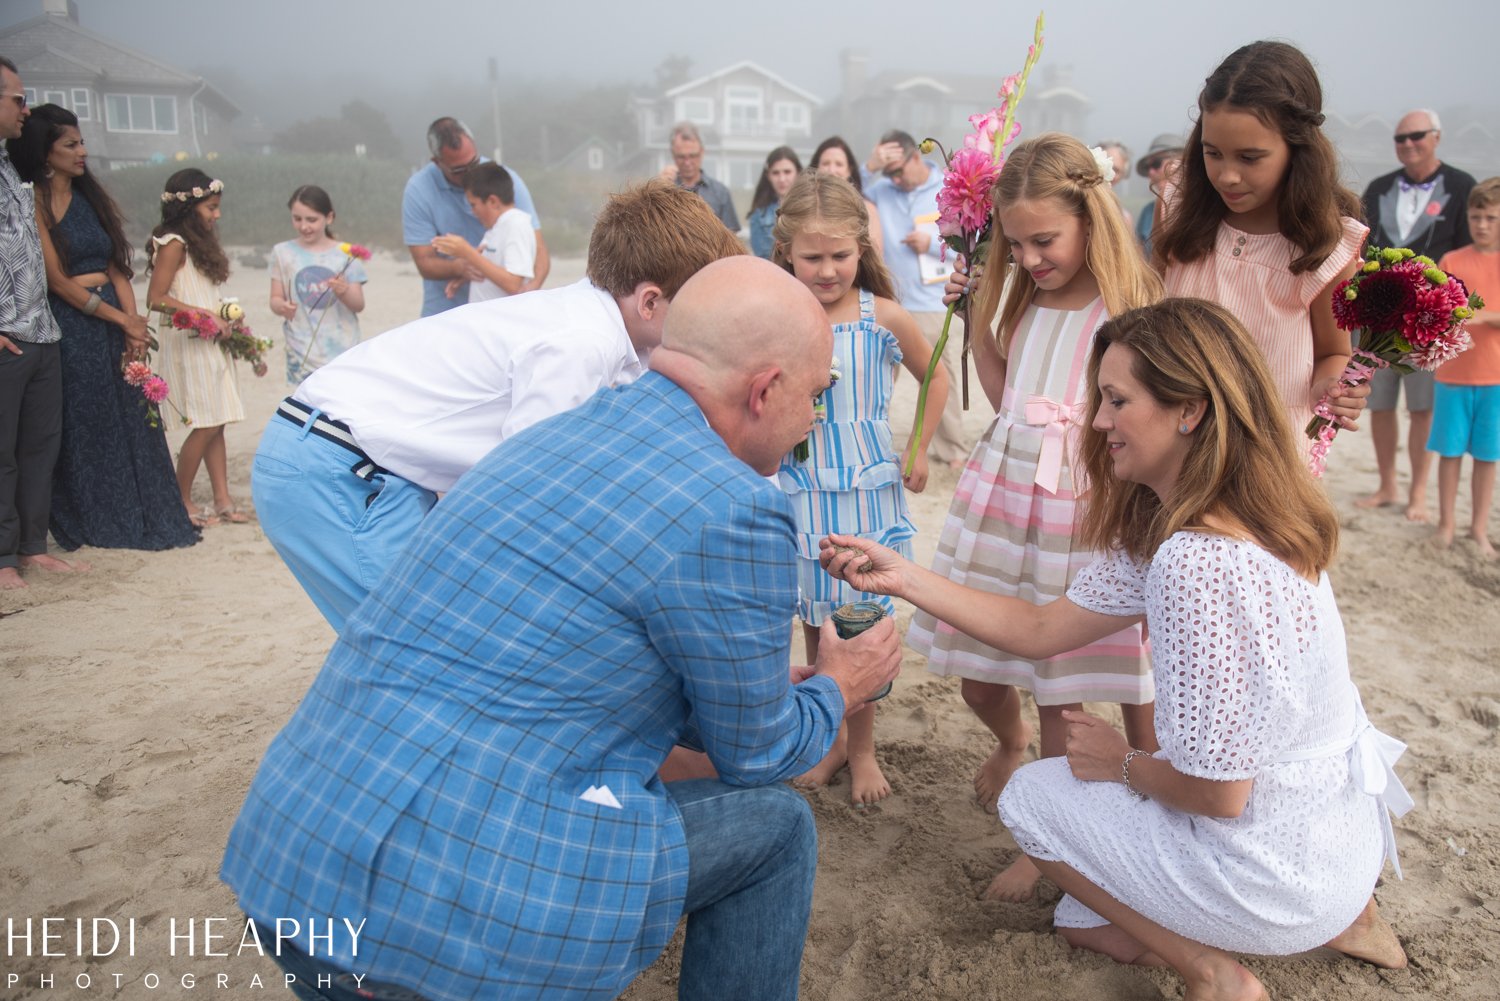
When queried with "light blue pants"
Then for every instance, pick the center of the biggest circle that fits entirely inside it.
(337, 533)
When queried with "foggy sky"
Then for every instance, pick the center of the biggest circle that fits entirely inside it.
(1141, 64)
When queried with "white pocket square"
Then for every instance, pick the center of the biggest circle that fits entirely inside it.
(601, 796)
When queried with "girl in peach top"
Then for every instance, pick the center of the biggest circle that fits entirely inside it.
(1257, 221)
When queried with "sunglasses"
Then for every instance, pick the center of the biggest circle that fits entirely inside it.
(20, 99)
(462, 168)
(1412, 137)
(1156, 163)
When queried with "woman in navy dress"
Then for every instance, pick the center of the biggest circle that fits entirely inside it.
(113, 485)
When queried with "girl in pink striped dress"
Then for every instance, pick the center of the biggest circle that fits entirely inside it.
(1257, 221)
(1011, 527)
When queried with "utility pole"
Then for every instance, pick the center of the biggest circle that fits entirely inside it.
(495, 105)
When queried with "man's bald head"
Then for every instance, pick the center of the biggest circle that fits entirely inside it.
(752, 347)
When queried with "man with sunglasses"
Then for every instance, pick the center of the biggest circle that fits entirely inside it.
(903, 186)
(1165, 149)
(433, 204)
(30, 365)
(1422, 205)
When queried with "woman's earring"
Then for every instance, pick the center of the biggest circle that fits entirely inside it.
(1184, 429)
(48, 172)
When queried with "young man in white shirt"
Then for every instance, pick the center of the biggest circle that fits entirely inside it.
(506, 259)
(348, 467)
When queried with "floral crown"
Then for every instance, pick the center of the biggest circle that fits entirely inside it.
(215, 187)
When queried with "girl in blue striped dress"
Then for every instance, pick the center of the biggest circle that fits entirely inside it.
(850, 481)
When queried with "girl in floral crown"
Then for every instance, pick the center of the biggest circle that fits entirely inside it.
(849, 479)
(187, 268)
(1257, 221)
(1012, 528)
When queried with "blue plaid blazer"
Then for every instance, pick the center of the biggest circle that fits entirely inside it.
(606, 583)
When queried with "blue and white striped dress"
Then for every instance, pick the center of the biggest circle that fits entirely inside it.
(851, 481)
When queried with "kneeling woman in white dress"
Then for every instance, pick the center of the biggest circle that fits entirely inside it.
(1261, 825)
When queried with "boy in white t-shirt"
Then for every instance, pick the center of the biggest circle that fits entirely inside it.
(506, 259)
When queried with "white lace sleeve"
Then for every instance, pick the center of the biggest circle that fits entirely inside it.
(1229, 625)
(1114, 584)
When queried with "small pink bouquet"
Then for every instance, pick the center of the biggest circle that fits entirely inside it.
(243, 345)
(152, 386)
(1409, 314)
(964, 208)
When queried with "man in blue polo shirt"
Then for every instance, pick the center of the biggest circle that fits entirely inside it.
(904, 187)
(434, 205)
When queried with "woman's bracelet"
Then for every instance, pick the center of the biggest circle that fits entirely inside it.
(92, 305)
(1125, 773)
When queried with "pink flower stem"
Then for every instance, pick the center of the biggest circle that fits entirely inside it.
(312, 338)
(932, 364)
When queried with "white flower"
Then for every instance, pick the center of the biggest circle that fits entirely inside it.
(197, 192)
(25, 185)
(1106, 165)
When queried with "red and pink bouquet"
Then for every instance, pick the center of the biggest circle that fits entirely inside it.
(242, 344)
(197, 323)
(965, 210)
(1409, 314)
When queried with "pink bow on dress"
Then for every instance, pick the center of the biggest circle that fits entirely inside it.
(1058, 419)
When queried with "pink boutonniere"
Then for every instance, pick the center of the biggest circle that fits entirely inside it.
(1434, 208)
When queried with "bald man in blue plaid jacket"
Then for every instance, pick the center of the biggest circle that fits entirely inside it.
(468, 794)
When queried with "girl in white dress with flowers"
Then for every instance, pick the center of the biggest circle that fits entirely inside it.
(187, 267)
(1261, 825)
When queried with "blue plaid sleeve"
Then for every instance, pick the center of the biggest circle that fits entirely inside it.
(723, 622)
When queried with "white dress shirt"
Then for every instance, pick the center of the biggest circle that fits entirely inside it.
(429, 399)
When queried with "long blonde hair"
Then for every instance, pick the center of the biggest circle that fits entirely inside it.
(1060, 167)
(827, 204)
(1244, 465)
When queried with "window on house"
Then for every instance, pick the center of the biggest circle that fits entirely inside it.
(57, 97)
(791, 115)
(83, 104)
(596, 158)
(743, 109)
(698, 110)
(30, 96)
(140, 112)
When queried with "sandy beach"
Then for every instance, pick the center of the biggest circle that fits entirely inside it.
(138, 699)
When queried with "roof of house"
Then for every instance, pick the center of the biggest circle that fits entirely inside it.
(734, 68)
(50, 44)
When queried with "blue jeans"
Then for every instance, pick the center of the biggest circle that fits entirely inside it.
(337, 533)
(752, 854)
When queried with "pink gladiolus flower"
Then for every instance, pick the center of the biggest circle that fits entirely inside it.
(155, 389)
(964, 201)
(136, 373)
(1009, 84)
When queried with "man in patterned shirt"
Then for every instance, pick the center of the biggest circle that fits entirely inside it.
(471, 782)
(30, 365)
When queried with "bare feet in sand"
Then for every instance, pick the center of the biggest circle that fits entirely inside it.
(869, 782)
(823, 772)
(1015, 883)
(1443, 537)
(1416, 508)
(1380, 498)
(1482, 540)
(1227, 980)
(1371, 939)
(10, 579)
(999, 767)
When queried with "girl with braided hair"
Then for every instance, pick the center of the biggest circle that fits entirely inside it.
(1257, 221)
(1011, 529)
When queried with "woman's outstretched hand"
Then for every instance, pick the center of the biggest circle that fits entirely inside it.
(867, 566)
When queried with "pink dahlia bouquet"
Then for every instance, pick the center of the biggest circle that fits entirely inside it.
(197, 323)
(152, 386)
(1409, 314)
(965, 209)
